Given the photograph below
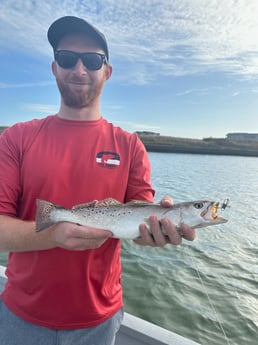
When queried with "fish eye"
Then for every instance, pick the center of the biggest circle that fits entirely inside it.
(198, 205)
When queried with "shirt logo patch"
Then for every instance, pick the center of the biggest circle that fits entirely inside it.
(107, 159)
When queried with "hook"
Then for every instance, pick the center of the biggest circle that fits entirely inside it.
(225, 204)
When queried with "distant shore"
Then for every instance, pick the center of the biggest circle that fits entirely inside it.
(211, 146)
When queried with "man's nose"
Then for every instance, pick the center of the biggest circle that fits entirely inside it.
(80, 67)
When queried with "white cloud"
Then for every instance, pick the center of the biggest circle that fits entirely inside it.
(149, 37)
(197, 91)
(136, 126)
(23, 85)
(41, 108)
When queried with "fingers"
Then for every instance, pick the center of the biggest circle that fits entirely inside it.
(167, 201)
(87, 232)
(75, 237)
(146, 239)
(176, 233)
(171, 230)
(187, 232)
(79, 244)
(87, 238)
(156, 235)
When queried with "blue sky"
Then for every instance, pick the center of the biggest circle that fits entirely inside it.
(185, 68)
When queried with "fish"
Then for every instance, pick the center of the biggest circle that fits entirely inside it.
(123, 220)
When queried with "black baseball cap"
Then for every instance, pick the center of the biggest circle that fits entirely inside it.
(70, 24)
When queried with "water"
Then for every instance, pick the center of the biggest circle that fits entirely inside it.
(206, 290)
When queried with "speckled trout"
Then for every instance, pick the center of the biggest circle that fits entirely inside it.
(123, 220)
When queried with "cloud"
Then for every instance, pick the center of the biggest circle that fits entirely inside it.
(136, 126)
(25, 85)
(150, 38)
(41, 108)
(197, 91)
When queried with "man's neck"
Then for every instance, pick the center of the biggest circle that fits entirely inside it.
(82, 114)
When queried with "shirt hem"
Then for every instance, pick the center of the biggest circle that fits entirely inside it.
(63, 326)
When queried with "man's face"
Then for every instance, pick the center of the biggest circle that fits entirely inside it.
(78, 86)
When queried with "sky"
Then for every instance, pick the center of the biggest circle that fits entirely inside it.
(183, 68)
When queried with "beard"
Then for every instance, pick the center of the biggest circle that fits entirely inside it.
(79, 99)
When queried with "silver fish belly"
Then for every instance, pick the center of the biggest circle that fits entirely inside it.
(123, 220)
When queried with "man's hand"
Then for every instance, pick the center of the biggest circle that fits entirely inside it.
(174, 234)
(75, 237)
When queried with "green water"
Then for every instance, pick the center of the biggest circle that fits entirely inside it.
(206, 290)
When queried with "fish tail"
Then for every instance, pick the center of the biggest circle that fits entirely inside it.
(43, 214)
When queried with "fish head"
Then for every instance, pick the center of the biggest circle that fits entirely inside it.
(202, 213)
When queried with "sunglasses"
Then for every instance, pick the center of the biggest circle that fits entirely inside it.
(69, 59)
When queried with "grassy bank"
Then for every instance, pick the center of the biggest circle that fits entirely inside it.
(158, 143)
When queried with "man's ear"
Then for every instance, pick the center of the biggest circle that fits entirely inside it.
(54, 68)
(108, 73)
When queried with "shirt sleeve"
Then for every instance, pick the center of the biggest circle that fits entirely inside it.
(139, 184)
(9, 171)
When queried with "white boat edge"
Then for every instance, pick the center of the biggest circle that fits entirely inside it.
(136, 331)
(2, 271)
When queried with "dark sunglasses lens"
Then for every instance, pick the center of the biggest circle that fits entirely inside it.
(92, 61)
(66, 59)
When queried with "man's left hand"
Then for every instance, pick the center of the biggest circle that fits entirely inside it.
(156, 238)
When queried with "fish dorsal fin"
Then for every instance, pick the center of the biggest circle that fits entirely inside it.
(108, 202)
(138, 203)
(112, 202)
(85, 205)
(99, 203)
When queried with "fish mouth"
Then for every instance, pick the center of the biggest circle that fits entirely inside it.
(211, 212)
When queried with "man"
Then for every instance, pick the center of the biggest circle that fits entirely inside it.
(64, 283)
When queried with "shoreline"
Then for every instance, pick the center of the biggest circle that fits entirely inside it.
(210, 146)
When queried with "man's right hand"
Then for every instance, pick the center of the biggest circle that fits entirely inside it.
(75, 237)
